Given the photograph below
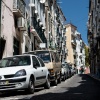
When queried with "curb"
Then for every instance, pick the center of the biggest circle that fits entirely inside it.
(92, 76)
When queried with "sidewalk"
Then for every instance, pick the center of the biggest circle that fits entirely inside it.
(87, 71)
(94, 77)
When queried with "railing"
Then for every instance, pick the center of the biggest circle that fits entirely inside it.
(19, 5)
(38, 28)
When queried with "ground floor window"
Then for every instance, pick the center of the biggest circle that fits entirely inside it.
(2, 46)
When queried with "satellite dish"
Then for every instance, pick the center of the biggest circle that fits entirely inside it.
(42, 1)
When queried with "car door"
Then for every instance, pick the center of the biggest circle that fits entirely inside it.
(45, 70)
(38, 70)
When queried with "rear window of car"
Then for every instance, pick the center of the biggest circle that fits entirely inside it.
(44, 55)
(15, 61)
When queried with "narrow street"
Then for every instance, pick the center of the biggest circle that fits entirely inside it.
(78, 87)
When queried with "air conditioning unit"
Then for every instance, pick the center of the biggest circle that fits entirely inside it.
(21, 22)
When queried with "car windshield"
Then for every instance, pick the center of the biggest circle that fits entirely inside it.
(15, 61)
(44, 55)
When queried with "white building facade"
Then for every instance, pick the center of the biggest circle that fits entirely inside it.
(80, 53)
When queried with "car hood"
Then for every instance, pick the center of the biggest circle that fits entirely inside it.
(11, 70)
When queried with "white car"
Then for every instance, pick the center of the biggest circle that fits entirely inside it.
(64, 72)
(23, 72)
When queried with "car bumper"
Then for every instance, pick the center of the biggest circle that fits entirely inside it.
(13, 84)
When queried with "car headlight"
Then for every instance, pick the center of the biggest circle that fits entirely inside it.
(20, 73)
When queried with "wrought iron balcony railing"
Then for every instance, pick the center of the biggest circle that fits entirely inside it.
(19, 8)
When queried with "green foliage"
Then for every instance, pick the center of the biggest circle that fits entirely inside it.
(86, 56)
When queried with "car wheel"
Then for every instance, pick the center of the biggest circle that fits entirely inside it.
(55, 82)
(64, 77)
(31, 87)
(59, 80)
(47, 84)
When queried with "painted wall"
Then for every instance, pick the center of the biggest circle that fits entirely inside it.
(7, 26)
(69, 45)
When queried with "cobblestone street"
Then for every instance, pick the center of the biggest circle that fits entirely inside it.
(78, 87)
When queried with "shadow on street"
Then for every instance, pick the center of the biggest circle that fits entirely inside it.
(89, 89)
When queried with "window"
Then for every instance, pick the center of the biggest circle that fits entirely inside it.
(44, 55)
(42, 63)
(16, 46)
(35, 61)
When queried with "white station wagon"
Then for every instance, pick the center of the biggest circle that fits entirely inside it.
(23, 72)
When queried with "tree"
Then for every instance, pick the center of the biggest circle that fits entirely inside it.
(86, 56)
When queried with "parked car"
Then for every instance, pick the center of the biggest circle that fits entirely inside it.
(64, 72)
(52, 62)
(23, 72)
(68, 69)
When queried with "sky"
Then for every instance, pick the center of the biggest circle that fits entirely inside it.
(76, 12)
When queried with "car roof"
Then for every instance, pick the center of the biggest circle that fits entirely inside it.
(21, 55)
(42, 50)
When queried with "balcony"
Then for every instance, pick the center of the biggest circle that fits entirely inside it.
(37, 29)
(64, 44)
(19, 8)
(32, 30)
(73, 42)
(73, 34)
(32, 4)
(74, 52)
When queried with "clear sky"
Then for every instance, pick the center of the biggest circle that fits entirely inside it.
(76, 12)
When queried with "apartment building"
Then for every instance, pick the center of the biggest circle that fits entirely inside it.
(22, 26)
(10, 32)
(37, 22)
(54, 26)
(30, 23)
(70, 42)
(94, 36)
(79, 53)
(75, 46)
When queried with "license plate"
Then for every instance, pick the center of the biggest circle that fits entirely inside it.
(4, 83)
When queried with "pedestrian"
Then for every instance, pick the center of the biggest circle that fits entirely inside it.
(81, 70)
